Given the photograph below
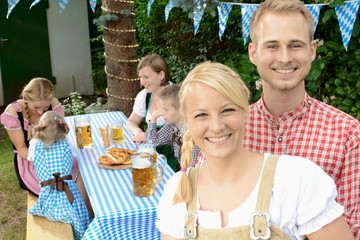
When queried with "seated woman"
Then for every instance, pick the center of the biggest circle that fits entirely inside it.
(236, 193)
(19, 117)
(154, 76)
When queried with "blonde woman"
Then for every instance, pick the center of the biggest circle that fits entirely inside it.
(19, 117)
(236, 193)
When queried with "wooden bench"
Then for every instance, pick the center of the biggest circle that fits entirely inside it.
(41, 228)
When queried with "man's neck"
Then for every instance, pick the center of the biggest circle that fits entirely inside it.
(279, 102)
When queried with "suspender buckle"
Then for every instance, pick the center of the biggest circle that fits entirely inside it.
(255, 220)
(191, 219)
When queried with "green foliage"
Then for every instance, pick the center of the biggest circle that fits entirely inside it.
(334, 77)
(73, 105)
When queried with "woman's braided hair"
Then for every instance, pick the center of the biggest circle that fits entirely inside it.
(227, 82)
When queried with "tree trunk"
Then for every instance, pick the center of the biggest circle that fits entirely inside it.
(121, 57)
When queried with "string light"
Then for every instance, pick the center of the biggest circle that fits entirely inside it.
(120, 46)
(123, 98)
(119, 30)
(114, 11)
(124, 1)
(125, 79)
(122, 60)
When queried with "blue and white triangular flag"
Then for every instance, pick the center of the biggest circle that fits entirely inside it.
(11, 5)
(149, 6)
(63, 4)
(198, 11)
(92, 4)
(34, 3)
(314, 10)
(168, 8)
(224, 10)
(247, 10)
(346, 16)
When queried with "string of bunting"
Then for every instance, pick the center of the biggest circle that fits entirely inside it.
(114, 11)
(119, 97)
(120, 46)
(122, 60)
(120, 78)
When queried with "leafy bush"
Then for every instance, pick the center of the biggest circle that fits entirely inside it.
(334, 77)
(73, 105)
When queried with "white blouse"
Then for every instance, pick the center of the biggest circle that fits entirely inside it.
(140, 109)
(302, 202)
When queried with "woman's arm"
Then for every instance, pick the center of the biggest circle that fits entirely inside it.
(17, 138)
(337, 229)
(132, 125)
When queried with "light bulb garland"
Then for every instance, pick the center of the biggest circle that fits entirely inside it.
(122, 60)
(120, 30)
(120, 46)
(123, 1)
(117, 77)
(125, 12)
(119, 97)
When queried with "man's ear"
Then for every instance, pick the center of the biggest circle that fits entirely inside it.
(252, 53)
(313, 50)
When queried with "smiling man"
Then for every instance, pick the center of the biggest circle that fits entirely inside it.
(286, 120)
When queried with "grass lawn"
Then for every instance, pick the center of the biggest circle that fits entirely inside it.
(12, 198)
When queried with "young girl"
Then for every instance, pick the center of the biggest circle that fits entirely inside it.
(174, 129)
(60, 198)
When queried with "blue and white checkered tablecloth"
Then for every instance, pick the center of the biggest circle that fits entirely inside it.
(118, 213)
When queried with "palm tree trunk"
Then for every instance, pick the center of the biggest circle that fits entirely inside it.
(121, 57)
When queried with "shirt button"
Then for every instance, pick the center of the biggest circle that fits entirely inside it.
(280, 139)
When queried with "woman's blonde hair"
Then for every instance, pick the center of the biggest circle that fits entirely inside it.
(158, 64)
(227, 82)
(37, 89)
(281, 6)
(52, 128)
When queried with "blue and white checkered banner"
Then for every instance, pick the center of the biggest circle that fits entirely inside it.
(92, 4)
(168, 8)
(315, 10)
(198, 13)
(224, 10)
(346, 16)
(247, 10)
(34, 3)
(63, 4)
(11, 5)
(149, 6)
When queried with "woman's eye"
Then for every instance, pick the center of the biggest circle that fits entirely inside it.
(200, 115)
(228, 110)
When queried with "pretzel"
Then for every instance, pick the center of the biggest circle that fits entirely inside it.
(105, 136)
(117, 156)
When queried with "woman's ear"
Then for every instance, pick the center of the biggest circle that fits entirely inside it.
(162, 75)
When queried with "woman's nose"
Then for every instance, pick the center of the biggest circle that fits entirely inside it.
(217, 124)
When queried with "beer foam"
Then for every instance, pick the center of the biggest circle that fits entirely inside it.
(140, 162)
(82, 124)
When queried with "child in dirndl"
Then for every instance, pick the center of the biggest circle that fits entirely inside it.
(59, 198)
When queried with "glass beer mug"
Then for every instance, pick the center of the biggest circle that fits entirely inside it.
(83, 131)
(117, 132)
(143, 174)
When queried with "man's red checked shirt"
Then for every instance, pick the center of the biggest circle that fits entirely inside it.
(319, 132)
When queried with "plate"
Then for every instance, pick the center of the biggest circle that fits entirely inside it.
(115, 167)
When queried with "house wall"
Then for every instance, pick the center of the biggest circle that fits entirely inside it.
(70, 48)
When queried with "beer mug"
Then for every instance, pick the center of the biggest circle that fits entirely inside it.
(83, 131)
(142, 168)
(117, 132)
(147, 148)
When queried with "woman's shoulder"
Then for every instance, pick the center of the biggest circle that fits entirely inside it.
(15, 107)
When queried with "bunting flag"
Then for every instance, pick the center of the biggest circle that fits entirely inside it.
(63, 4)
(149, 6)
(346, 16)
(92, 4)
(314, 10)
(224, 10)
(11, 5)
(34, 3)
(198, 13)
(247, 10)
(168, 8)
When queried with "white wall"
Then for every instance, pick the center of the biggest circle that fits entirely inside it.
(70, 47)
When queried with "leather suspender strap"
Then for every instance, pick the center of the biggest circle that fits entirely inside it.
(260, 220)
(191, 216)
